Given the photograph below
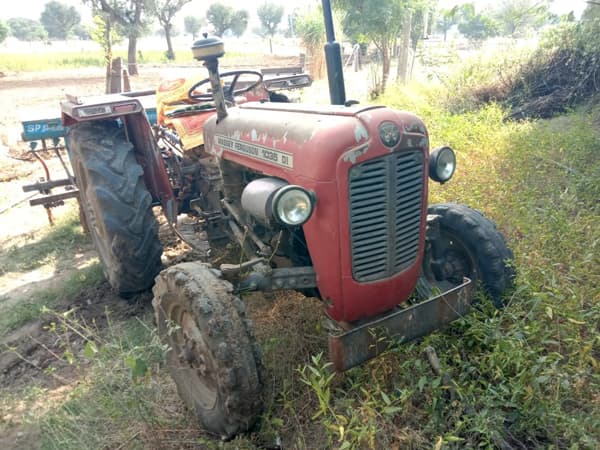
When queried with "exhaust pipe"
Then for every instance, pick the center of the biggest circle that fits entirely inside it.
(333, 59)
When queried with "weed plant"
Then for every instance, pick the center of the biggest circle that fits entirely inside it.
(118, 374)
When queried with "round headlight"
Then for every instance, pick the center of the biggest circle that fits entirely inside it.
(442, 163)
(293, 205)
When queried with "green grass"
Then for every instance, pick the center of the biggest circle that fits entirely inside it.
(21, 62)
(119, 370)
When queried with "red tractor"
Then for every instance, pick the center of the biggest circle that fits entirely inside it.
(327, 200)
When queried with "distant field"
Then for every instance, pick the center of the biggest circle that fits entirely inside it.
(17, 62)
(19, 56)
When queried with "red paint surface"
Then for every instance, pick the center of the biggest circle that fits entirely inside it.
(321, 141)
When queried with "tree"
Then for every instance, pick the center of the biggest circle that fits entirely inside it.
(220, 17)
(292, 20)
(515, 17)
(239, 22)
(129, 15)
(417, 26)
(161, 32)
(26, 29)
(224, 18)
(82, 32)
(104, 33)
(59, 19)
(376, 21)
(164, 11)
(192, 25)
(591, 12)
(476, 27)
(447, 19)
(3, 31)
(311, 30)
(270, 15)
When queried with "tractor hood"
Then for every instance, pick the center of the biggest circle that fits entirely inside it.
(326, 150)
(291, 140)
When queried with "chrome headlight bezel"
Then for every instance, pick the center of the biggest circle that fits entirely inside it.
(442, 164)
(288, 199)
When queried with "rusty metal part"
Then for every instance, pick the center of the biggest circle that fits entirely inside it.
(43, 163)
(264, 249)
(241, 238)
(212, 65)
(186, 241)
(372, 338)
(45, 185)
(230, 269)
(49, 213)
(53, 198)
(62, 162)
(277, 279)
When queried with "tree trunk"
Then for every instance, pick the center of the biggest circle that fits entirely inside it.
(107, 54)
(271, 44)
(170, 53)
(385, 57)
(132, 55)
(115, 76)
(404, 49)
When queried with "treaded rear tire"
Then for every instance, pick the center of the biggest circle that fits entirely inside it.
(116, 205)
(474, 242)
(213, 356)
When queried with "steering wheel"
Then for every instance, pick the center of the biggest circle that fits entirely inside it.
(229, 88)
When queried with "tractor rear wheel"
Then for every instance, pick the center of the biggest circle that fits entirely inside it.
(212, 356)
(116, 205)
(470, 246)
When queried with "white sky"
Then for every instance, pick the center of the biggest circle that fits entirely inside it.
(33, 8)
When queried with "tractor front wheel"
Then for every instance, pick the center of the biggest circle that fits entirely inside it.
(468, 245)
(212, 354)
(115, 205)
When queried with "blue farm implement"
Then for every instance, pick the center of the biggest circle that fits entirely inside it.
(46, 138)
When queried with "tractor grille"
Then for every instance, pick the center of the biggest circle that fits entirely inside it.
(386, 199)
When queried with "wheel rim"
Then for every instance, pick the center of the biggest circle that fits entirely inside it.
(191, 360)
(459, 262)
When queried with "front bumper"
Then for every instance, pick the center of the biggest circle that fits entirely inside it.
(370, 339)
